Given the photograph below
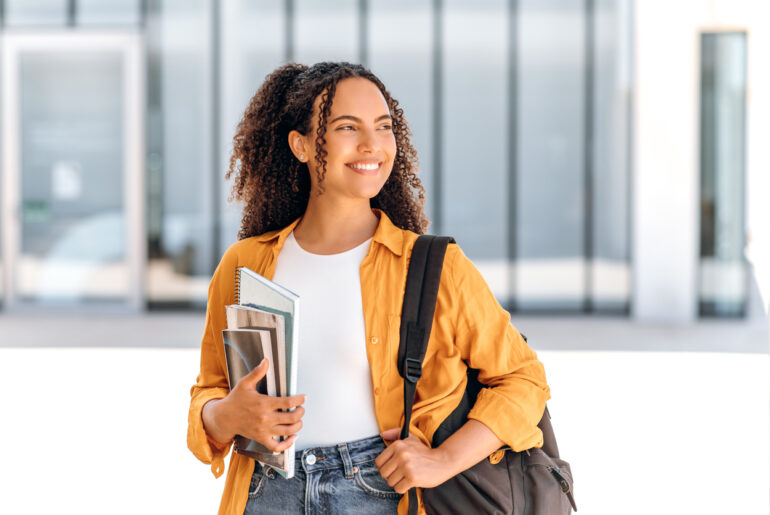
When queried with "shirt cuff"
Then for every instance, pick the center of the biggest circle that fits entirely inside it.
(199, 442)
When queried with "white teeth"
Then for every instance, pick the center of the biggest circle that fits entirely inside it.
(373, 166)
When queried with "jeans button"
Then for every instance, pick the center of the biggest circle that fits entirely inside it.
(310, 459)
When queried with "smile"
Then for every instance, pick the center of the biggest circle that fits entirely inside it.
(365, 167)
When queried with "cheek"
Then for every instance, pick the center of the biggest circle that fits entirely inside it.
(391, 146)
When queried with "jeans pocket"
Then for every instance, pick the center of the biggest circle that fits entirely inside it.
(258, 480)
(369, 479)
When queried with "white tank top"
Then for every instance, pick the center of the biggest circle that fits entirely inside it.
(333, 370)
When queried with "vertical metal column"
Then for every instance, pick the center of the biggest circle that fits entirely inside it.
(513, 154)
(438, 118)
(288, 43)
(588, 155)
(216, 128)
(71, 13)
(363, 31)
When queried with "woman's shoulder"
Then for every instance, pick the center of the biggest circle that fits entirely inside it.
(249, 252)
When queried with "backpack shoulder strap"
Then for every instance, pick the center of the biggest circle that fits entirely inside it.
(422, 282)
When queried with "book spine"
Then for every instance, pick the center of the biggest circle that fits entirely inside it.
(238, 285)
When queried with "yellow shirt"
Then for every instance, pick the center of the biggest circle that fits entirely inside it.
(469, 326)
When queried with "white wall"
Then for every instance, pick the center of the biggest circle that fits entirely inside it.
(665, 147)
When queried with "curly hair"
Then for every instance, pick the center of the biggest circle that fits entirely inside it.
(274, 186)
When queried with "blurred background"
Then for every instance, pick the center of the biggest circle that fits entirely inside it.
(604, 163)
(589, 157)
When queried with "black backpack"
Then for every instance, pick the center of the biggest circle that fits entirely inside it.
(532, 482)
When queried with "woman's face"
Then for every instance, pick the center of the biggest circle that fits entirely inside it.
(360, 143)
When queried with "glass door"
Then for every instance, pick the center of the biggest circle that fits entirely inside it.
(73, 135)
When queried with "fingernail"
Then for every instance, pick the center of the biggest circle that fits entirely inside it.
(261, 362)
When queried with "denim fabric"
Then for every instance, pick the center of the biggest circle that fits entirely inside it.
(337, 479)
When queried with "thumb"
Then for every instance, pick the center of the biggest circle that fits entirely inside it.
(251, 379)
(391, 435)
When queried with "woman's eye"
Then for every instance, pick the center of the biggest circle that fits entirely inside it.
(386, 127)
(345, 127)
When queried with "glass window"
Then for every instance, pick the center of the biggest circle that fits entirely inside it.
(610, 271)
(108, 12)
(404, 64)
(326, 31)
(72, 212)
(723, 284)
(550, 216)
(35, 12)
(253, 45)
(185, 252)
(474, 156)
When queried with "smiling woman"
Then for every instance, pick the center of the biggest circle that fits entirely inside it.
(332, 208)
(286, 133)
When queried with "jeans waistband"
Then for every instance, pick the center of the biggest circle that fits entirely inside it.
(347, 455)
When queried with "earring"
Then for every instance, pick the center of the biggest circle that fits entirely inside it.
(302, 157)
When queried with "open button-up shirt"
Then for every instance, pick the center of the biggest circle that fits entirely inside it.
(470, 328)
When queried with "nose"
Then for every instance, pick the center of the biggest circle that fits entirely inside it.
(368, 141)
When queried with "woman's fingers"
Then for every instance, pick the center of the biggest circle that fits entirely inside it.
(282, 446)
(278, 446)
(286, 402)
(289, 417)
(287, 430)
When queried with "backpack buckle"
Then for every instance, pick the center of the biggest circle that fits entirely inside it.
(413, 369)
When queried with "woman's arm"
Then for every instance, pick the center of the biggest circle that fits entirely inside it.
(506, 411)
(410, 463)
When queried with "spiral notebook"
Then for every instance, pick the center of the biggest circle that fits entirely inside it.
(257, 293)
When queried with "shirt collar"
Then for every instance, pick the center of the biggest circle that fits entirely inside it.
(386, 234)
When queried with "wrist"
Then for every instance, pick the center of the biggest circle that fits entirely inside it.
(214, 422)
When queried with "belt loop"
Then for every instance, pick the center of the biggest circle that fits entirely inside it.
(346, 461)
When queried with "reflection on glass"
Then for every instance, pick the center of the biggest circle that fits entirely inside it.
(72, 223)
(723, 274)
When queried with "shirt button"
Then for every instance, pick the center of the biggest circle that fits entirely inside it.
(310, 459)
(374, 340)
(377, 391)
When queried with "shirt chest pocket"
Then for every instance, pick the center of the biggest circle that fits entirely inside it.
(382, 348)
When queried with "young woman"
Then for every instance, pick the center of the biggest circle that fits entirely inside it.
(332, 207)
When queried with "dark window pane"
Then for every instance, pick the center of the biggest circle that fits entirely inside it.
(723, 272)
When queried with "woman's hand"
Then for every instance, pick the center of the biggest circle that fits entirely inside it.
(248, 413)
(409, 463)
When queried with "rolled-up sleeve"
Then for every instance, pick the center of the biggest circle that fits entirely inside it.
(514, 400)
(212, 379)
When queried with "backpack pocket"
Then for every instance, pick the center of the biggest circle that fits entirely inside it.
(548, 484)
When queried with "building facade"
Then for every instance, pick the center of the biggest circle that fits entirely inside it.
(584, 162)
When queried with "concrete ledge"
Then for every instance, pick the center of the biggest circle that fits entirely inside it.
(184, 330)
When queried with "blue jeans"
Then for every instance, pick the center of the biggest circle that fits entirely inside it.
(337, 479)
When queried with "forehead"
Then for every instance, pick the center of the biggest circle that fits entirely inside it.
(358, 97)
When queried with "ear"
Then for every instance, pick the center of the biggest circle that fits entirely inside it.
(298, 146)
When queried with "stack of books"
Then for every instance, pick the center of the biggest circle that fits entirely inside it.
(263, 323)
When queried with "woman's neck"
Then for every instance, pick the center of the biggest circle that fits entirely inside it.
(328, 228)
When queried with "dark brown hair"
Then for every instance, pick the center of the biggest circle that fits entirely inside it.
(274, 186)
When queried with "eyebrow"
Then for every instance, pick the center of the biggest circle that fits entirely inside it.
(355, 119)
